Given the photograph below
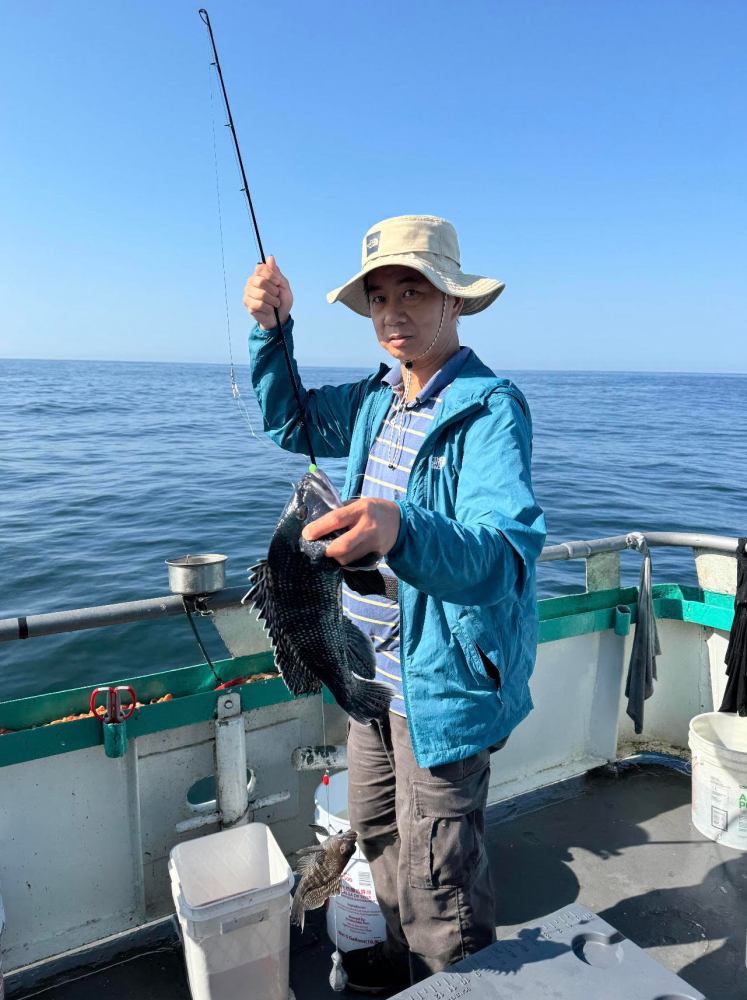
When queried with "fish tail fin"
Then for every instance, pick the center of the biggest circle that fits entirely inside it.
(298, 911)
(368, 700)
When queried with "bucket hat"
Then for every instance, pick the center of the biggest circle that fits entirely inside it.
(427, 244)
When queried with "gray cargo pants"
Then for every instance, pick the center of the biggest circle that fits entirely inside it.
(422, 832)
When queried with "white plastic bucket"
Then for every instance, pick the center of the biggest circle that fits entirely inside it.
(718, 741)
(354, 914)
(232, 896)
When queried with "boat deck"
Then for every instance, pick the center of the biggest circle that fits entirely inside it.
(620, 842)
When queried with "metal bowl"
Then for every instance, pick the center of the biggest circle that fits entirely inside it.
(197, 574)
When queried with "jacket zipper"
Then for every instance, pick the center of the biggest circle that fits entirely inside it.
(459, 415)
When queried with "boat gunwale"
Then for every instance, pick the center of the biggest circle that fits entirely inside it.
(195, 698)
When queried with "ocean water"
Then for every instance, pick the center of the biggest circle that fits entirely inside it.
(107, 469)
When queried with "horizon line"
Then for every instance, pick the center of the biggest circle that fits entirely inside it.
(245, 364)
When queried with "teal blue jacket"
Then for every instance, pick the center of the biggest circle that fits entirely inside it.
(470, 534)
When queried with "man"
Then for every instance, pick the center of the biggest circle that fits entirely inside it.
(439, 483)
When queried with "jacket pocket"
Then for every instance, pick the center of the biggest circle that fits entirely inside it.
(447, 831)
(481, 666)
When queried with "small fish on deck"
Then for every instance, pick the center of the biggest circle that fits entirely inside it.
(297, 592)
(321, 867)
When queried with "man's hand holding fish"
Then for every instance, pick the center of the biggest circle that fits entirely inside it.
(369, 525)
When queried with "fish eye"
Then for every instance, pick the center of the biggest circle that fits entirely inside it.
(302, 512)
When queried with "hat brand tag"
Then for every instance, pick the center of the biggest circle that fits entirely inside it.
(438, 462)
(372, 243)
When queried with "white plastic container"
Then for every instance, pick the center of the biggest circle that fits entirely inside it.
(718, 741)
(232, 896)
(354, 913)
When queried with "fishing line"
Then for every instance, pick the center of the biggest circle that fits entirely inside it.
(325, 782)
(205, 18)
(286, 460)
(235, 391)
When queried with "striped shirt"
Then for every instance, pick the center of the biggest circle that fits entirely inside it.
(387, 473)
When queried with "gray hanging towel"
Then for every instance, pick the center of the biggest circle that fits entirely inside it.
(642, 666)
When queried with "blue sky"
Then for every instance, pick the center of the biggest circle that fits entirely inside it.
(591, 154)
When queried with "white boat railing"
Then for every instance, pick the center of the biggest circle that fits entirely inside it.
(617, 543)
(56, 622)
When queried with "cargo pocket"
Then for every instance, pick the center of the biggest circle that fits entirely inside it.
(447, 830)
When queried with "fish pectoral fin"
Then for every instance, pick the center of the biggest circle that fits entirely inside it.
(305, 864)
(364, 581)
(298, 678)
(315, 895)
(362, 658)
(367, 581)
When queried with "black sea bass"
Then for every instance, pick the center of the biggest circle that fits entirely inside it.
(297, 594)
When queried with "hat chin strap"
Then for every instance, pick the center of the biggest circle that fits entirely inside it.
(429, 348)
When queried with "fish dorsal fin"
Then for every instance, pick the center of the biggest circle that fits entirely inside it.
(311, 849)
(361, 655)
(298, 678)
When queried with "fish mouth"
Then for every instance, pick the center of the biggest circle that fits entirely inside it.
(318, 483)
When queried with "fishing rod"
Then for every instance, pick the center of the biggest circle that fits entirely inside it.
(205, 17)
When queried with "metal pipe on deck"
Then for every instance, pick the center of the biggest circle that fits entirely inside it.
(231, 793)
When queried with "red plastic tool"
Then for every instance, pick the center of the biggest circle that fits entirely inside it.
(113, 711)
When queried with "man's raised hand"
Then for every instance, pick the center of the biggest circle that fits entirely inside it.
(266, 290)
